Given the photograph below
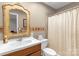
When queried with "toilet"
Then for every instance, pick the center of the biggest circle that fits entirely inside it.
(47, 51)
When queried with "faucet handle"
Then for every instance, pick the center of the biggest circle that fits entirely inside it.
(19, 39)
(40, 37)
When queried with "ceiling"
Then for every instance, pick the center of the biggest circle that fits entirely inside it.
(57, 5)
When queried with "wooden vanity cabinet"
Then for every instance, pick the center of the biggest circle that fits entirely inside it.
(31, 51)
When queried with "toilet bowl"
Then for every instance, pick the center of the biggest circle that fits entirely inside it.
(49, 52)
(45, 50)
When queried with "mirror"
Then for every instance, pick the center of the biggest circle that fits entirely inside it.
(16, 21)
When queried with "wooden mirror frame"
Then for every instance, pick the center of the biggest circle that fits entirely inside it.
(6, 21)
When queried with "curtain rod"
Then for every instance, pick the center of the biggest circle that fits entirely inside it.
(66, 10)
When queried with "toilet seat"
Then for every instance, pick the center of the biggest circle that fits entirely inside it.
(49, 51)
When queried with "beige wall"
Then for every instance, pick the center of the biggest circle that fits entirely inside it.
(37, 11)
(38, 14)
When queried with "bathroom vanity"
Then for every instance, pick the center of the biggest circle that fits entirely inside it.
(31, 51)
(26, 47)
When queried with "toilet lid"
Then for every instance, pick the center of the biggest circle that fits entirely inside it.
(49, 51)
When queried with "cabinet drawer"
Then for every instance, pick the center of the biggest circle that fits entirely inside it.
(38, 53)
(26, 51)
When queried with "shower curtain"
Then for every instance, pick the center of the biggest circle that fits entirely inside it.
(63, 32)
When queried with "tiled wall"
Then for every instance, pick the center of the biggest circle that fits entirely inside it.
(38, 31)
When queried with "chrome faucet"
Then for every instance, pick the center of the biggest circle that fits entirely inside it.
(19, 39)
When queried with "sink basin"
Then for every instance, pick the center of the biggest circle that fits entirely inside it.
(17, 44)
(26, 42)
(13, 45)
(20, 43)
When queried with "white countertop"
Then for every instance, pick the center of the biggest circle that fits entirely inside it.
(15, 45)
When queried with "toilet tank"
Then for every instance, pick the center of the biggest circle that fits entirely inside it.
(44, 43)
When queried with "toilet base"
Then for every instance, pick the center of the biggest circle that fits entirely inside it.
(49, 52)
(50, 55)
